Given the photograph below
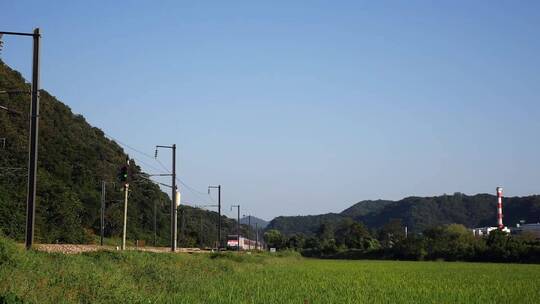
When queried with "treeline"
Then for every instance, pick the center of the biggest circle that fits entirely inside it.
(452, 242)
(420, 213)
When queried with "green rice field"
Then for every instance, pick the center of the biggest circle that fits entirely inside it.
(142, 277)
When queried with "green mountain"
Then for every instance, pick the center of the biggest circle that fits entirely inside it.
(306, 224)
(74, 157)
(254, 221)
(419, 213)
(365, 207)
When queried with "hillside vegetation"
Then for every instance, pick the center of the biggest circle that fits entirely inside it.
(74, 157)
(420, 213)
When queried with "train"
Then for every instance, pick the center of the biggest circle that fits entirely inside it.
(245, 243)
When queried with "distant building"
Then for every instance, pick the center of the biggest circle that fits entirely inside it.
(486, 230)
(533, 229)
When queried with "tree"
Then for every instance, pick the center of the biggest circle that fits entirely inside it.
(391, 233)
(312, 243)
(296, 241)
(273, 239)
(326, 231)
(353, 235)
(451, 242)
(411, 248)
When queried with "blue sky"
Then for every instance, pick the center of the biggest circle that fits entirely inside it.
(303, 107)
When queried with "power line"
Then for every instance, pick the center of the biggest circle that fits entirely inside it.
(190, 188)
(128, 146)
(195, 191)
(140, 152)
(162, 165)
(146, 164)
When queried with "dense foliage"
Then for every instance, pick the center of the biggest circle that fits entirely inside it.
(420, 213)
(142, 277)
(74, 158)
(454, 242)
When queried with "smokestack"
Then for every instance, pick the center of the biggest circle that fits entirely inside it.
(499, 208)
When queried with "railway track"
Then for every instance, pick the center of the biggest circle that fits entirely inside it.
(77, 248)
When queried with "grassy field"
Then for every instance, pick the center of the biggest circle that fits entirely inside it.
(141, 277)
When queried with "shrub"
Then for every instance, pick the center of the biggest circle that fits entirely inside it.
(9, 253)
(10, 298)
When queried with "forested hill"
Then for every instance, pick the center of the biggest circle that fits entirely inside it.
(419, 213)
(254, 221)
(74, 158)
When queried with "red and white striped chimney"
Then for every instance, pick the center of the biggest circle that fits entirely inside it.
(499, 208)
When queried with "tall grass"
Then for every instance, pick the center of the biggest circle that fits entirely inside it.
(142, 277)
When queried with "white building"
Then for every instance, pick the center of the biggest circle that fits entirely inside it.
(486, 230)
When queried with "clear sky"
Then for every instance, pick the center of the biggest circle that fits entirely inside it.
(303, 107)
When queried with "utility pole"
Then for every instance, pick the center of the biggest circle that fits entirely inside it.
(219, 212)
(155, 222)
(125, 175)
(200, 231)
(182, 232)
(174, 215)
(102, 230)
(249, 229)
(257, 236)
(201, 241)
(33, 154)
(237, 226)
(124, 230)
(33, 138)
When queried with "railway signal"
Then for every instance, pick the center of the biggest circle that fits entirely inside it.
(123, 174)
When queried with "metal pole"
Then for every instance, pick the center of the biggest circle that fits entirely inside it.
(257, 236)
(126, 190)
(174, 214)
(182, 231)
(219, 220)
(200, 231)
(155, 222)
(249, 229)
(218, 241)
(33, 153)
(102, 230)
(238, 228)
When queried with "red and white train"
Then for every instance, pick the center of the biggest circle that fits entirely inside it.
(245, 244)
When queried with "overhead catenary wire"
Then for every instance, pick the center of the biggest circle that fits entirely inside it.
(140, 152)
(136, 150)
(195, 191)
(205, 196)
(128, 146)
(146, 164)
